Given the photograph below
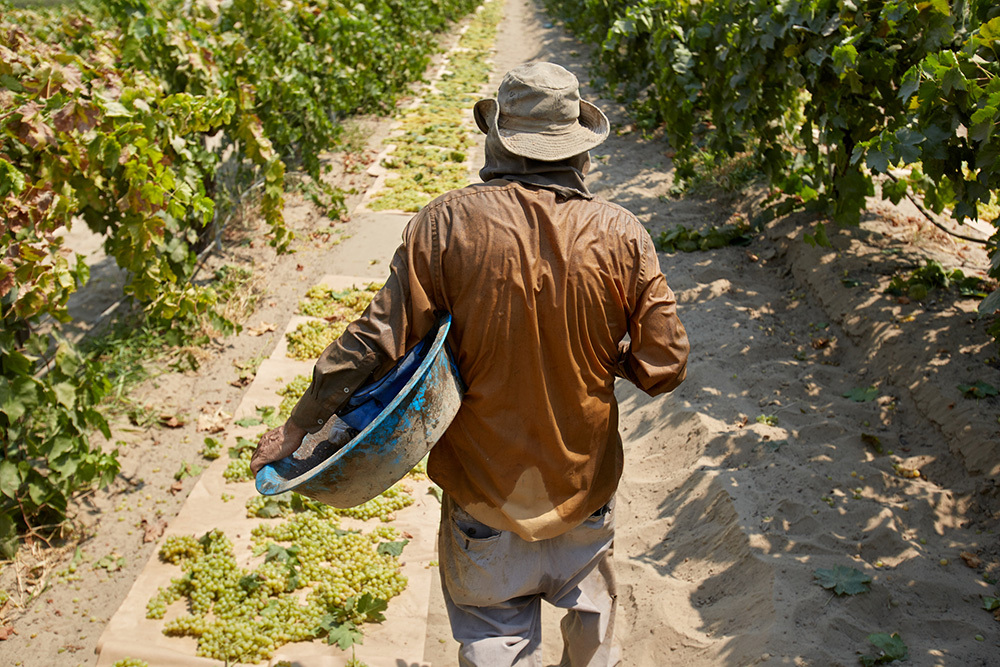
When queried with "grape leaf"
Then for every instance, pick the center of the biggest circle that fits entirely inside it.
(251, 583)
(8, 538)
(270, 509)
(241, 444)
(891, 648)
(861, 394)
(294, 579)
(392, 548)
(843, 580)
(370, 607)
(10, 480)
(978, 390)
(990, 604)
(991, 303)
(268, 415)
(281, 554)
(819, 238)
(345, 635)
(990, 31)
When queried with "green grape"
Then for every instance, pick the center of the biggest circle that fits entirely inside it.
(310, 338)
(130, 662)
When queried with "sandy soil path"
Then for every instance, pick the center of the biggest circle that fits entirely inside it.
(723, 519)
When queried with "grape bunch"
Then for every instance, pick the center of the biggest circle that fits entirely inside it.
(130, 662)
(383, 534)
(179, 548)
(283, 504)
(311, 567)
(310, 338)
(269, 507)
(382, 506)
(157, 605)
(291, 393)
(419, 471)
(238, 469)
(212, 449)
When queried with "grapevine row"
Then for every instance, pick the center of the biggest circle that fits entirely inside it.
(145, 120)
(835, 99)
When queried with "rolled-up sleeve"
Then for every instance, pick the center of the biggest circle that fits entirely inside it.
(655, 356)
(400, 314)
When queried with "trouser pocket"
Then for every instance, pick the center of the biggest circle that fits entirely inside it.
(470, 527)
(480, 565)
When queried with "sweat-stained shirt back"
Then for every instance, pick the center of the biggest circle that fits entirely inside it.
(542, 290)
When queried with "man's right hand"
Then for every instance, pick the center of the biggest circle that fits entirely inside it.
(276, 444)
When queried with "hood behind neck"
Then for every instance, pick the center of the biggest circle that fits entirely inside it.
(566, 177)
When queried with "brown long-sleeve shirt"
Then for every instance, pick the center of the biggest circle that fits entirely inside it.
(542, 292)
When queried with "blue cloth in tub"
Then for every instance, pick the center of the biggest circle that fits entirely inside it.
(370, 400)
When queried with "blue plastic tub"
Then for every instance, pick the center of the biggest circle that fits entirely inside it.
(420, 396)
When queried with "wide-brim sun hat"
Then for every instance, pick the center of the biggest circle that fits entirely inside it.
(538, 114)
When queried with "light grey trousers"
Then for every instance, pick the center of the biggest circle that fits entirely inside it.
(494, 583)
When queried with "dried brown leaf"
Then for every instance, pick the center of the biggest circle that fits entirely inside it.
(971, 559)
(170, 421)
(213, 422)
(152, 531)
(263, 328)
(819, 343)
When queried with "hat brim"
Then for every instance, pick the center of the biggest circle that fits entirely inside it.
(590, 131)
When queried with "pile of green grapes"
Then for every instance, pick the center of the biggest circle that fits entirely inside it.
(238, 469)
(328, 303)
(291, 393)
(311, 568)
(283, 504)
(310, 338)
(338, 308)
(130, 662)
(383, 506)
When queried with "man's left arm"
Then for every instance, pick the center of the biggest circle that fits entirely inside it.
(655, 357)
